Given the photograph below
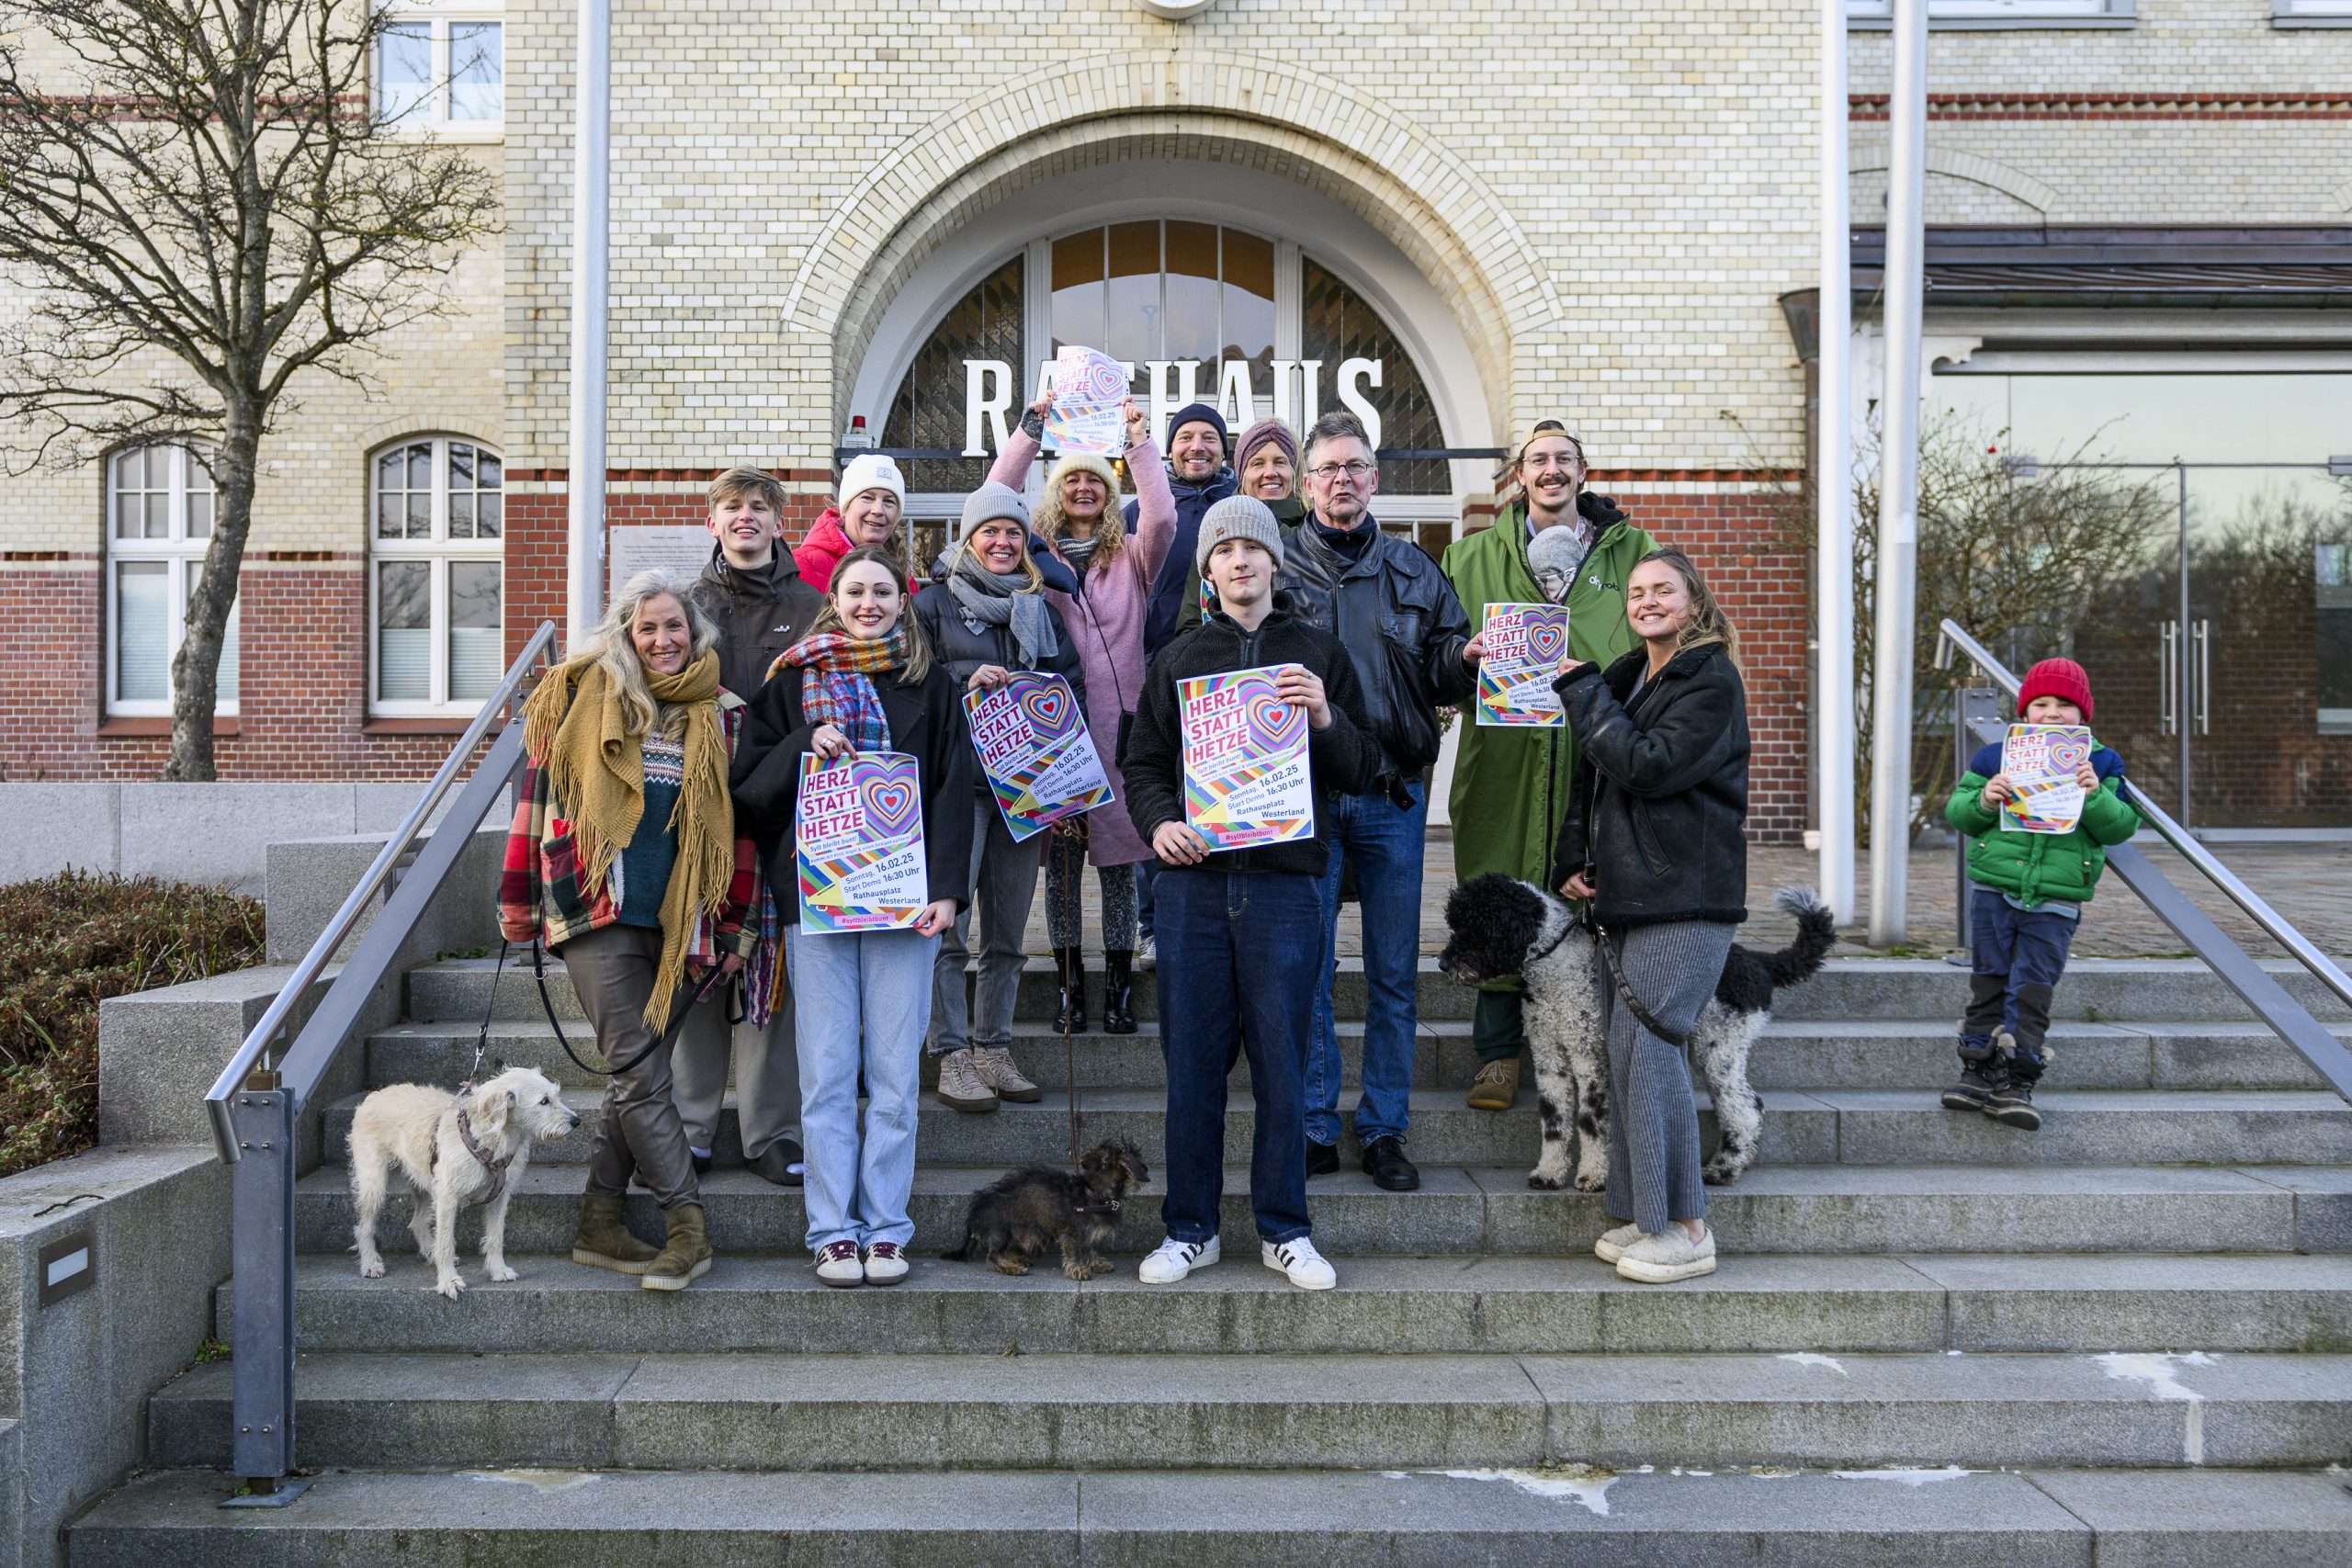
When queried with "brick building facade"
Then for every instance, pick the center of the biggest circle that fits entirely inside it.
(1606, 218)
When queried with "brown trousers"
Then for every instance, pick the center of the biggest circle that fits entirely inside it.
(641, 1132)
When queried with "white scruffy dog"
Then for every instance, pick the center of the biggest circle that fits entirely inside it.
(1500, 926)
(472, 1150)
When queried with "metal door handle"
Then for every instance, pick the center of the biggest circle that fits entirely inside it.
(2204, 653)
(2168, 668)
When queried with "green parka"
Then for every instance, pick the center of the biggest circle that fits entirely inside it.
(2037, 867)
(1511, 785)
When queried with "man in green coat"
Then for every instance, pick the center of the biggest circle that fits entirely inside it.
(1511, 785)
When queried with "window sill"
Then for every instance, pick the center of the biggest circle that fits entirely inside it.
(1999, 24)
(2311, 21)
(147, 729)
(451, 724)
(462, 135)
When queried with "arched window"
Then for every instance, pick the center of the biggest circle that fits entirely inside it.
(159, 523)
(435, 576)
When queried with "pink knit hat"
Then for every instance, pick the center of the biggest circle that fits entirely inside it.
(1258, 434)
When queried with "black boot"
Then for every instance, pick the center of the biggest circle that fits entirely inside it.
(1982, 1075)
(1119, 992)
(2021, 1068)
(1071, 961)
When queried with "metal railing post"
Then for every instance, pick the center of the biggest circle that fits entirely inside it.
(1975, 721)
(262, 1234)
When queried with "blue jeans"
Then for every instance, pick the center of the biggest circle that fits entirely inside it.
(1237, 968)
(1384, 843)
(2018, 956)
(862, 1004)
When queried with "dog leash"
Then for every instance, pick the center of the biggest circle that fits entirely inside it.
(481, 1040)
(1679, 1040)
(669, 1036)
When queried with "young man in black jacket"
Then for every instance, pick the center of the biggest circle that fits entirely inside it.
(1391, 608)
(1240, 932)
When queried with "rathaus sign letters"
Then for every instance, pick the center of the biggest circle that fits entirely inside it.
(1295, 395)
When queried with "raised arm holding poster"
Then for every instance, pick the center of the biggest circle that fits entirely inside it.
(1523, 645)
(1246, 777)
(2040, 760)
(1088, 412)
(1034, 748)
(859, 827)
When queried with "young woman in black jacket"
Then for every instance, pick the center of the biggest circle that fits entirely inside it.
(1655, 841)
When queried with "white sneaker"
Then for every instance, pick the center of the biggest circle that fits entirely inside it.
(1300, 1262)
(1173, 1259)
(884, 1264)
(837, 1265)
(1668, 1256)
(1147, 953)
(1613, 1243)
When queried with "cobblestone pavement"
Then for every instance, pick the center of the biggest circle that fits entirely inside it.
(2309, 884)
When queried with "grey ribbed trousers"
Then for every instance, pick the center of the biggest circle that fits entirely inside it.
(1653, 1121)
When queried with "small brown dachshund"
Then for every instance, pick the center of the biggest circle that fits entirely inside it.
(1016, 1218)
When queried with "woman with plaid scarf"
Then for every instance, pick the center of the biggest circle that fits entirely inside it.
(862, 680)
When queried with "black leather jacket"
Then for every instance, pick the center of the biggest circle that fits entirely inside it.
(1394, 613)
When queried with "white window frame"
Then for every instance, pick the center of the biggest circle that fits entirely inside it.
(435, 120)
(1994, 16)
(2310, 12)
(183, 558)
(439, 552)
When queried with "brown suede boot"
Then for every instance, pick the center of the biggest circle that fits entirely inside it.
(685, 1257)
(603, 1241)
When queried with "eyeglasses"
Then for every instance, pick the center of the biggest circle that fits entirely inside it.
(1358, 471)
(1564, 463)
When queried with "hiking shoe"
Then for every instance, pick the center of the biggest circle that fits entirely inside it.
(686, 1255)
(1613, 1243)
(1322, 1159)
(837, 1265)
(994, 1066)
(1668, 1256)
(1299, 1263)
(961, 1087)
(1385, 1162)
(1496, 1085)
(2012, 1106)
(884, 1264)
(1979, 1082)
(1173, 1259)
(603, 1241)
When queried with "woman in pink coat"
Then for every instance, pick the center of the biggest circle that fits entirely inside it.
(1080, 522)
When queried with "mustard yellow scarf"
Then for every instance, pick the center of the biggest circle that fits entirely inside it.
(577, 723)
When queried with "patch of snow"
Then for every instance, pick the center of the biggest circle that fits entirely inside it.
(1578, 1483)
(539, 1480)
(1907, 1477)
(2157, 1370)
(1808, 1358)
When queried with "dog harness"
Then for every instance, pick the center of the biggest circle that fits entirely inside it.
(495, 1169)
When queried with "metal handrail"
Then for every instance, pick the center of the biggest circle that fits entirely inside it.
(380, 870)
(1952, 636)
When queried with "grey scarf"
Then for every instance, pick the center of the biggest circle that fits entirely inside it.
(988, 598)
(1078, 552)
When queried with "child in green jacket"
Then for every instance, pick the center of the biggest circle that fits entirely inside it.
(2025, 901)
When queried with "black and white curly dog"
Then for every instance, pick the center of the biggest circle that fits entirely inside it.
(1502, 926)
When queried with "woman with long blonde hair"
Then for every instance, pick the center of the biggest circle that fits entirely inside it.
(625, 859)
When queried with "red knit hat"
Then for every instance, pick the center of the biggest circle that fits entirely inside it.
(2060, 678)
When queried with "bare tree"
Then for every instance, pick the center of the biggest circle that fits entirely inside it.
(204, 205)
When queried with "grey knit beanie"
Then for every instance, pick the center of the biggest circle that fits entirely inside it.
(1238, 517)
(987, 505)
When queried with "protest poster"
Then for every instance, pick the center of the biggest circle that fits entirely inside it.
(859, 835)
(1088, 410)
(1524, 644)
(1034, 749)
(1246, 776)
(2040, 759)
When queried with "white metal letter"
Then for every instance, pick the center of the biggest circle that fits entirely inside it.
(1352, 371)
(979, 401)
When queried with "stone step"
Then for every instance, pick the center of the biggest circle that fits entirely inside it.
(1843, 1209)
(798, 1412)
(1871, 1053)
(2095, 991)
(1418, 1519)
(1523, 1306)
(1850, 1126)
(1593, 1518)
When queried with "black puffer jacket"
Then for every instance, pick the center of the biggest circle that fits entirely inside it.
(959, 650)
(1394, 613)
(759, 614)
(1660, 808)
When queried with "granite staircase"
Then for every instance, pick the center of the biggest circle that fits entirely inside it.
(2126, 1338)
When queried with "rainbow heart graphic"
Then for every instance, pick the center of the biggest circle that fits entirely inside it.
(1272, 722)
(1105, 384)
(1050, 708)
(890, 805)
(2069, 752)
(1547, 638)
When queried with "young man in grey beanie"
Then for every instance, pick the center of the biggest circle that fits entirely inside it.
(1240, 932)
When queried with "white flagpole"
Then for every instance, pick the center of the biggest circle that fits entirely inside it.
(590, 244)
(1833, 466)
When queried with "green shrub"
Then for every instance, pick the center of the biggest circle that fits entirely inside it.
(66, 943)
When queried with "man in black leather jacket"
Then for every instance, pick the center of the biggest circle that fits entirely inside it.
(1392, 609)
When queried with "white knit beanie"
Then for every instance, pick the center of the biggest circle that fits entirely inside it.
(870, 470)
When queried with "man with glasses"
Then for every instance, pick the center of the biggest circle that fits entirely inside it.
(1405, 634)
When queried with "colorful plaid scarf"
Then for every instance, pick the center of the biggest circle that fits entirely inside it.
(837, 674)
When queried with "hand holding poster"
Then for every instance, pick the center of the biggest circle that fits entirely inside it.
(1088, 412)
(1524, 644)
(1034, 746)
(859, 833)
(1246, 777)
(2040, 759)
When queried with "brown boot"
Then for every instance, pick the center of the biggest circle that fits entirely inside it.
(603, 1241)
(1496, 1085)
(686, 1254)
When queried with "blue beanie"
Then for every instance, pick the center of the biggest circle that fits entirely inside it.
(1198, 414)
